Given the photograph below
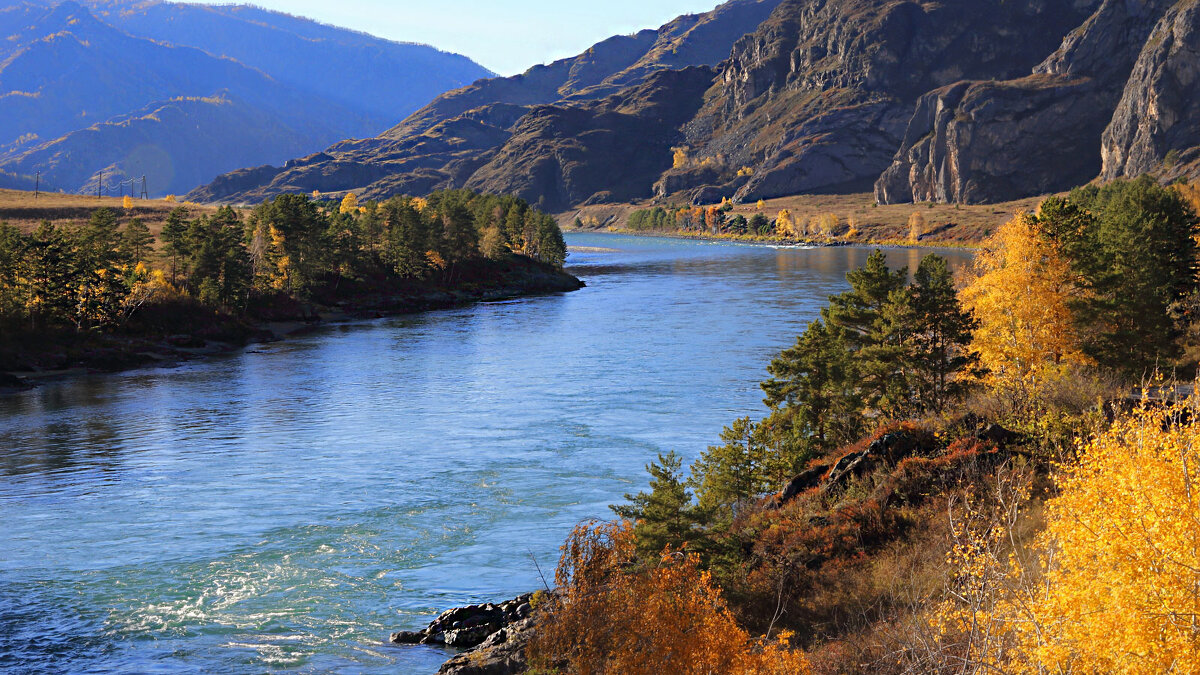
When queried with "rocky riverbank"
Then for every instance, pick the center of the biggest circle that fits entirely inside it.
(493, 636)
(184, 331)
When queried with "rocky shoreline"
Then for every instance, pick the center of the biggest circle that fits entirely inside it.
(494, 637)
(118, 353)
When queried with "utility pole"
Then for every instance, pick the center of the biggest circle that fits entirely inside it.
(145, 195)
(37, 184)
(99, 185)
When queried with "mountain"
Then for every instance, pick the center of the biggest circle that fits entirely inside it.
(989, 100)
(84, 96)
(453, 141)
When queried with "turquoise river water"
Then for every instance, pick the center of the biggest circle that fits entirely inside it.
(286, 507)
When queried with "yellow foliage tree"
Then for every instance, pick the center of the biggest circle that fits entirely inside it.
(760, 205)
(784, 225)
(316, 194)
(612, 617)
(916, 226)
(171, 199)
(127, 202)
(852, 223)
(680, 158)
(1116, 579)
(349, 203)
(1019, 291)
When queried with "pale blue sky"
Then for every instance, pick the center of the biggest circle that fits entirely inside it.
(507, 36)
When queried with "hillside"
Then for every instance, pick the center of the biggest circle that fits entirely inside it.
(963, 103)
(163, 91)
(448, 142)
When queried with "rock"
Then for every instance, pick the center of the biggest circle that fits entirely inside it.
(408, 637)
(1156, 125)
(503, 653)
(987, 141)
(469, 626)
(9, 382)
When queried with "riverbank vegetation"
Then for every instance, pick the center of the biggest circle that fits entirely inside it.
(987, 474)
(65, 291)
(818, 219)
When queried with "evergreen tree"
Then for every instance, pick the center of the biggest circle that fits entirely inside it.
(938, 346)
(868, 318)
(49, 273)
(136, 241)
(731, 476)
(1137, 258)
(813, 395)
(664, 516)
(175, 241)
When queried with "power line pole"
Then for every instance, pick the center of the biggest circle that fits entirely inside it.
(145, 195)
(37, 185)
(99, 185)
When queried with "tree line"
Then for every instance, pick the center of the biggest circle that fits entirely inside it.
(96, 275)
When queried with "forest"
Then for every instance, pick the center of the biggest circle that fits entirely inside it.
(106, 277)
(994, 473)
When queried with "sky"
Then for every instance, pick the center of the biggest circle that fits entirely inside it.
(506, 36)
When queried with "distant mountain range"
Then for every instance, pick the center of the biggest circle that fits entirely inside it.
(975, 101)
(181, 93)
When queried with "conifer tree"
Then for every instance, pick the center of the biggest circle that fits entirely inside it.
(938, 347)
(664, 516)
(136, 240)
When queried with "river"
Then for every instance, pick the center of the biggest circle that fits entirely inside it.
(288, 506)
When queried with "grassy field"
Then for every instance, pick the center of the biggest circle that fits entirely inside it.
(24, 211)
(945, 224)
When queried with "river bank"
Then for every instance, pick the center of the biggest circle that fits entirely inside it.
(923, 241)
(185, 331)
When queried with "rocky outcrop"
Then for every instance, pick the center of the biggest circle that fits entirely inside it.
(817, 99)
(494, 637)
(982, 141)
(1156, 126)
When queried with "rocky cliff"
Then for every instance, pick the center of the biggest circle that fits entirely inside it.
(982, 141)
(990, 100)
(1156, 125)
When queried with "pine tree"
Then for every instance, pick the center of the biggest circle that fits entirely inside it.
(175, 241)
(731, 476)
(136, 240)
(938, 347)
(813, 394)
(664, 516)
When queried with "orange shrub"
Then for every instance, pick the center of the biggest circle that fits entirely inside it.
(612, 617)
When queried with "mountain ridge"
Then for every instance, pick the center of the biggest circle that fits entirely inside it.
(51, 116)
(973, 103)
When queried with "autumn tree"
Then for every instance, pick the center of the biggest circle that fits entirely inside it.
(1021, 291)
(349, 203)
(1113, 581)
(785, 226)
(916, 226)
